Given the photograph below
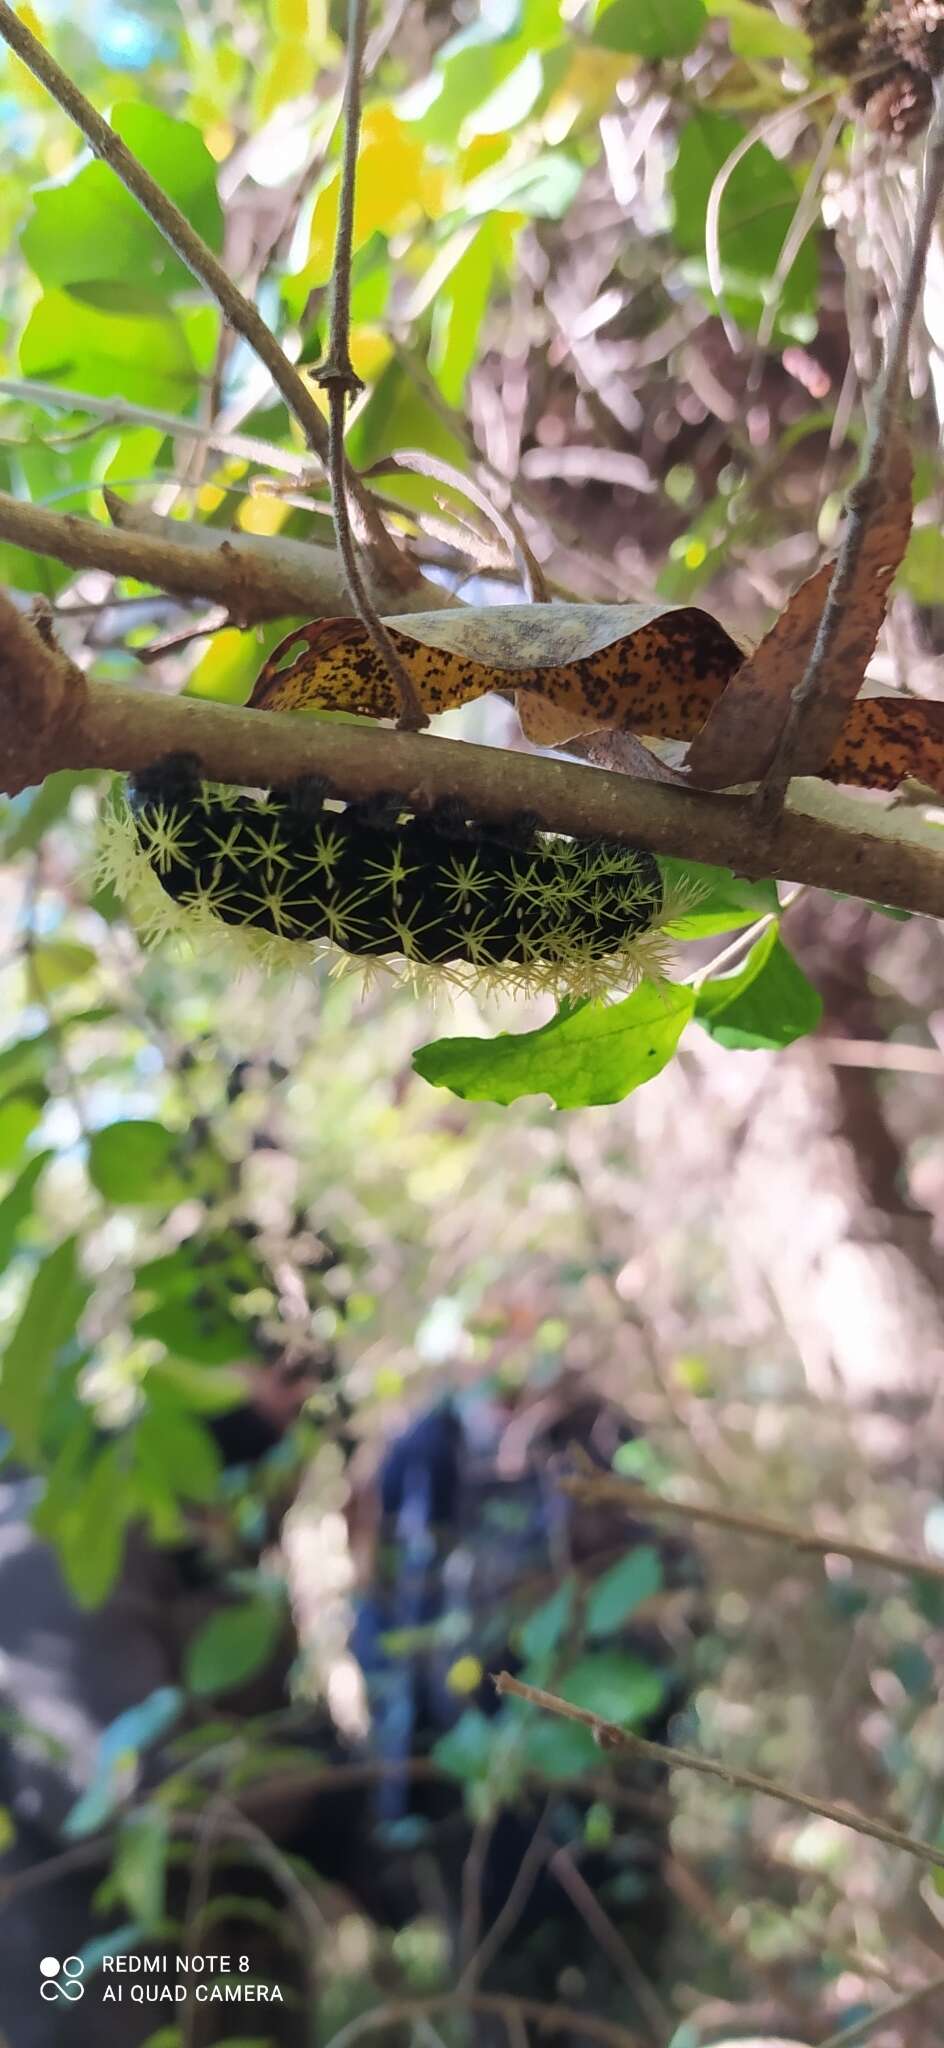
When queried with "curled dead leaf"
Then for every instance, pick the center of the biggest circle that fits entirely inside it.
(649, 670)
(739, 739)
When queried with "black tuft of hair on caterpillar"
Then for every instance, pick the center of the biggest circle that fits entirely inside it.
(383, 882)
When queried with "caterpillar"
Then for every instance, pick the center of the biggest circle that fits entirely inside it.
(297, 872)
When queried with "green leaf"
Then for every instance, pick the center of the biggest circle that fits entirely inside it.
(757, 210)
(175, 1450)
(30, 815)
(210, 1336)
(542, 1631)
(133, 1161)
(559, 1749)
(58, 962)
(48, 1320)
(466, 1751)
(207, 1393)
(922, 571)
(618, 1593)
(146, 359)
(589, 1054)
(599, 1826)
(758, 32)
(723, 902)
(615, 1686)
(140, 1864)
(17, 1204)
(90, 230)
(233, 1644)
(396, 415)
(652, 29)
(119, 1745)
(767, 1003)
(458, 313)
(19, 1116)
(90, 1539)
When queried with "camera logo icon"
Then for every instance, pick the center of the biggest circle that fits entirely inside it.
(61, 1980)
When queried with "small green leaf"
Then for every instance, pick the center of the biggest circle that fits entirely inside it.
(48, 1320)
(458, 312)
(723, 902)
(623, 1588)
(542, 1631)
(559, 1749)
(758, 32)
(653, 29)
(31, 814)
(466, 1751)
(91, 1538)
(767, 1003)
(236, 1642)
(590, 1053)
(598, 1828)
(59, 962)
(173, 1448)
(119, 1745)
(922, 571)
(140, 1864)
(615, 1686)
(206, 1392)
(133, 1161)
(19, 1116)
(210, 1336)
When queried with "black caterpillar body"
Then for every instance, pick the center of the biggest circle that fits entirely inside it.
(381, 881)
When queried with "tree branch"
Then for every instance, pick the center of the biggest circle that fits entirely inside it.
(52, 716)
(200, 260)
(592, 1485)
(610, 1736)
(255, 580)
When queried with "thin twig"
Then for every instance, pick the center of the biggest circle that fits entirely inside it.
(200, 260)
(658, 2019)
(866, 491)
(849, 2037)
(609, 1736)
(507, 1919)
(120, 412)
(599, 1486)
(888, 1057)
(339, 379)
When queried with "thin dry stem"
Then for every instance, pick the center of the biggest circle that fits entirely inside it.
(609, 1736)
(599, 1486)
(338, 377)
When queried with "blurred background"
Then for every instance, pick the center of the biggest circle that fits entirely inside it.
(628, 269)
